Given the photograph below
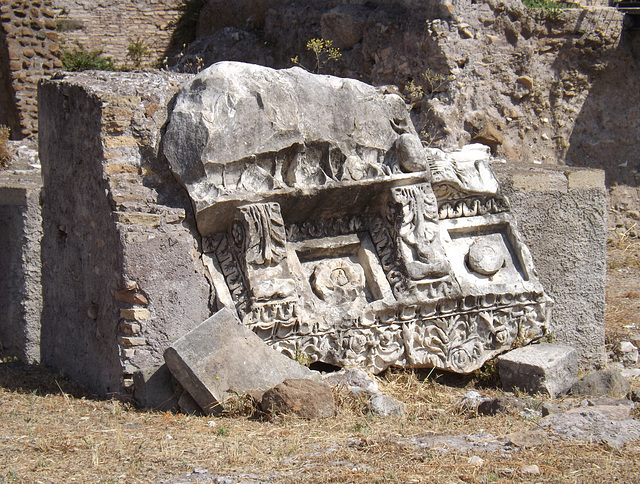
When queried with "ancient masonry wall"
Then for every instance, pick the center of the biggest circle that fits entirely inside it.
(112, 26)
(28, 50)
(122, 270)
(20, 234)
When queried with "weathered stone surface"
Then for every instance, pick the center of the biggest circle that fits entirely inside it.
(188, 405)
(241, 132)
(356, 381)
(544, 368)
(300, 397)
(627, 353)
(508, 405)
(20, 264)
(386, 406)
(89, 255)
(338, 234)
(561, 216)
(221, 356)
(604, 383)
(594, 424)
(528, 440)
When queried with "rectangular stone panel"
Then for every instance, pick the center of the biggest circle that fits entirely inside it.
(221, 357)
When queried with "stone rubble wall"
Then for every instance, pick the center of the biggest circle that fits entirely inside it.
(20, 266)
(536, 87)
(111, 26)
(122, 270)
(28, 51)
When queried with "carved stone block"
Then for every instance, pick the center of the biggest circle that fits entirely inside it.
(349, 242)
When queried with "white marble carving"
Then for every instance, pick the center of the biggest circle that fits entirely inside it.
(338, 235)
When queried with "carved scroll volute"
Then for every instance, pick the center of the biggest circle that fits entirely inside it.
(261, 233)
(418, 233)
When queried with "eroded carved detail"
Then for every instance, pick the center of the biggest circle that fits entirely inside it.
(264, 236)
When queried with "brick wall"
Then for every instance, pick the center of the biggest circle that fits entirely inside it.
(111, 26)
(28, 51)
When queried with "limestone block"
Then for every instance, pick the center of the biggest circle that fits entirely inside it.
(564, 225)
(544, 368)
(221, 356)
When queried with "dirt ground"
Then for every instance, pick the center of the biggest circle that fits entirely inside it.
(51, 431)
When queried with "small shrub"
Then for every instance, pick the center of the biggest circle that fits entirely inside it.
(82, 60)
(324, 52)
(5, 155)
(137, 51)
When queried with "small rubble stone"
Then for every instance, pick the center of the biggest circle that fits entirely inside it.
(600, 384)
(357, 381)
(549, 408)
(508, 405)
(528, 440)
(474, 460)
(627, 353)
(387, 406)
(532, 470)
(302, 398)
(544, 368)
(470, 401)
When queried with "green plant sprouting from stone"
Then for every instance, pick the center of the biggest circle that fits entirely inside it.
(5, 156)
(549, 7)
(81, 59)
(429, 84)
(137, 51)
(324, 52)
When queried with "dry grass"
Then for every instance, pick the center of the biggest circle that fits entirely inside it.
(51, 432)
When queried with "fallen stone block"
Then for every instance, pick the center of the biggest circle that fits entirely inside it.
(543, 368)
(301, 398)
(602, 383)
(222, 357)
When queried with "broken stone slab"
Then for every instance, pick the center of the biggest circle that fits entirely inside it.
(222, 357)
(604, 383)
(544, 368)
(609, 424)
(301, 398)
